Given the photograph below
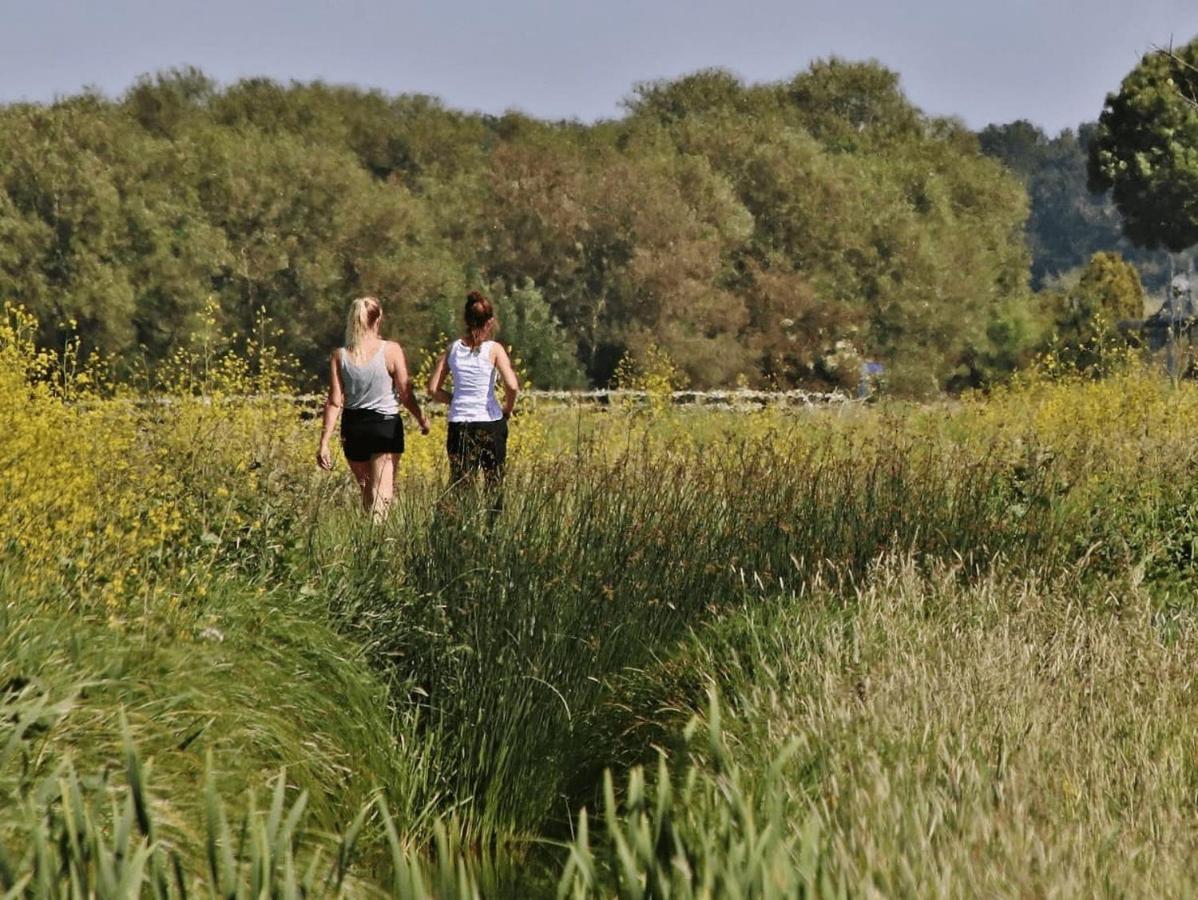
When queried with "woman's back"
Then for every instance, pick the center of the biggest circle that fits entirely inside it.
(368, 385)
(473, 383)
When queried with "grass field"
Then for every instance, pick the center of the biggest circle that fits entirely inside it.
(944, 649)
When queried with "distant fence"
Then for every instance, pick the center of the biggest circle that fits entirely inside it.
(725, 399)
(735, 400)
(720, 399)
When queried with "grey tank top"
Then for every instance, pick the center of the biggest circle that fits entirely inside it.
(369, 385)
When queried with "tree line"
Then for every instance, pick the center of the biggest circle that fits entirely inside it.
(772, 234)
(1068, 222)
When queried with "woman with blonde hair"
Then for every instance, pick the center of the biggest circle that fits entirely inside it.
(477, 438)
(368, 381)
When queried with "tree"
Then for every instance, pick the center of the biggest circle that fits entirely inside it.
(772, 232)
(1108, 292)
(538, 339)
(873, 227)
(1068, 223)
(308, 230)
(169, 101)
(99, 227)
(1146, 150)
(849, 106)
(627, 246)
(704, 93)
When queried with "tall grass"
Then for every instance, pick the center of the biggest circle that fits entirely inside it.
(506, 634)
(945, 612)
(1007, 736)
(1017, 736)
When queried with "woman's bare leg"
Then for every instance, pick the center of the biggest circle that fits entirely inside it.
(382, 473)
(364, 476)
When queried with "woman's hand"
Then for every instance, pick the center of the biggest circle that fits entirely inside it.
(423, 423)
(511, 385)
(332, 411)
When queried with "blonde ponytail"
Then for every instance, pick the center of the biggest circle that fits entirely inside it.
(364, 314)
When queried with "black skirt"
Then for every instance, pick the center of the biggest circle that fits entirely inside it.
(365, 433)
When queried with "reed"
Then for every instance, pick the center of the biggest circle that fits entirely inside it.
(948, 645)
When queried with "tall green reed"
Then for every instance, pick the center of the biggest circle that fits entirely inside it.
(505, 635)
(702, 835)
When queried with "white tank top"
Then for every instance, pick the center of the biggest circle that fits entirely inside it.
(473, 383)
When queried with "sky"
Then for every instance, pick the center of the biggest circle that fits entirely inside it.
(1050, 61)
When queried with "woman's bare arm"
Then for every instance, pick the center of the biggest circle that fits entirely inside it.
(436, 382)
(332, 409)
(511, 385)
(398, 364)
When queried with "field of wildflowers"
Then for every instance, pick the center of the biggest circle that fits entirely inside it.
(869, 649)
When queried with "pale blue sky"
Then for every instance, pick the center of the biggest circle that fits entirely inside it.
(1050, 61)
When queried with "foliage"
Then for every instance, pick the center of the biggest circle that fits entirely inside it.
(851, 581)
(652, 372)
(1144, 150)
(1067, 223)
(748, 231)
(1088, 315)
(1109, 286)
(855, 239)
(529, 325)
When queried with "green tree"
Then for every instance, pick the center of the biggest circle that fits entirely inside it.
(850, 106)
(628, 247)
(528, 325)
(1146, 150)
(706, 93)
(773, 232)
(308, 229)
(876, 231)
(99, 226)
(1068, 223)
(168, 102)
(1108, 292)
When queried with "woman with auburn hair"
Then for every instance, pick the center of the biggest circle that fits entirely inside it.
(368, 380)
(477, 439)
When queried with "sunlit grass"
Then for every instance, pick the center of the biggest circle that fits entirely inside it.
(950, 643)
